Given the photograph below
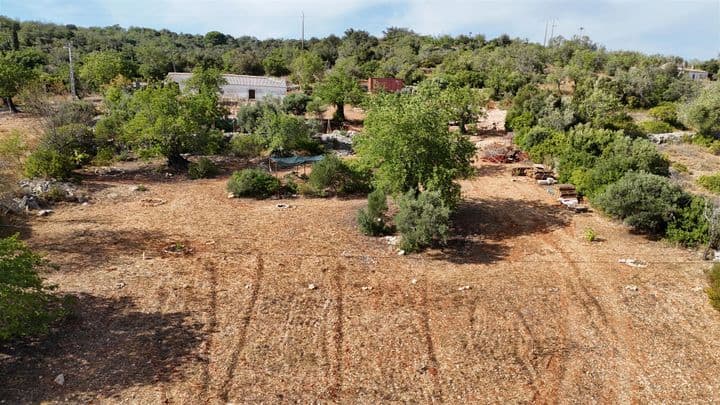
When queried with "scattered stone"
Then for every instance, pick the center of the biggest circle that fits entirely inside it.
(366, 288)
(391, 240)
(413, 281)
(401, 253)
(633, 262)
(231, 195)
(60, 379)
(120, 285)
(697, 289)
(248, 286)
(282, 206)
(44, 213)
(312, 286)
(85, 204)
(553, 289)
(464, 288)
(632, 288)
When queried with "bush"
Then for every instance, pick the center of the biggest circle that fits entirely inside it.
(70, 139)
(710, 182)
(253, 183)
(421, 219)
(371, 220)
(204, 168)
(666, 113)
(713, 290)
(247, 146)
(49, 164)
(26, 305)
(656, 127)
(646, 202)
(333, 174)
(296, 103)
(689, 227)
(590, 235)
(73, 112)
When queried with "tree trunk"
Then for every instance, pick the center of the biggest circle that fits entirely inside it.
(11, 105)
(462, 123)
(340, 113)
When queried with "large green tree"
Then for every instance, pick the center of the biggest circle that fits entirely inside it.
(339, 88)
(307, 69)
(703, 113)
(408, 143)
(99, 68)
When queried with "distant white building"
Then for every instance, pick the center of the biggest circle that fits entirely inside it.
(241, 88)
(695, 74)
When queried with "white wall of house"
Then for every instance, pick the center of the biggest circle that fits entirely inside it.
(241, 93)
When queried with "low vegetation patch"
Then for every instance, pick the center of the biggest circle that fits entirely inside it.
(372, 220)
(27, 306)
(253, 183)
(710, 182)
(713, 290)
(204, 168)
(421, 219)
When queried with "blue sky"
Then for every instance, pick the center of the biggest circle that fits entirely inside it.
(687, 28)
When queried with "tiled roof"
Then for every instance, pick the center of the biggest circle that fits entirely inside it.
(237, 80)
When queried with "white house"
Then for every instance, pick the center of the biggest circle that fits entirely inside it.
(695, 74)
(241, 87)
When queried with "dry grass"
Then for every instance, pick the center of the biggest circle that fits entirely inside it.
(697, 159)
(548, 316)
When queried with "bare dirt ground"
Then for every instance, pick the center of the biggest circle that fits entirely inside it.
(547, 318)
(27, 124)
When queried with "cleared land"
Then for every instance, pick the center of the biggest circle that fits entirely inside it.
(548, 317)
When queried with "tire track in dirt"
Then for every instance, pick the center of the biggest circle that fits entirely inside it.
(433, 366)
(247, 317)
(211, 270)
(339, 332)
(159, 347)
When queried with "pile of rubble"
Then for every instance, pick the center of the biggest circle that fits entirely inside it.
(37, 194)
(499, 153)
(338, 140)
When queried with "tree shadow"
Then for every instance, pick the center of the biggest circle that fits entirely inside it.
(479, 227)
(90, 248)
(108, 346)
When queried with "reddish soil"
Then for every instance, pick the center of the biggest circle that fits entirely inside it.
(548, 317)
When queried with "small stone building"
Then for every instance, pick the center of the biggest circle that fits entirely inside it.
(241, 88)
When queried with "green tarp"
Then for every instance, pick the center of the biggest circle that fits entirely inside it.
(295, 160)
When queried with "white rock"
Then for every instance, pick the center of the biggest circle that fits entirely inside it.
(413, 281)
(366, 288)
(631, 287)
(463, 288)
(231, 195)
(44, 213)
(312, 286)
(120, 285)
(401, 253)
(60, 379)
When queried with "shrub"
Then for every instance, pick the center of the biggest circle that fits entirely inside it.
(333, 174)
(296, 103)
(73, 112)
(590, 235)
(49, 164)
(679, 167)
(204, 168)
(70, 139)
(253, 183)
(247, 146)
(371, 220)
(713, 290)
(421, 219)
(646, 202)
(689, 226)
(26, 305)
(710, 182)
(656, 127)
(666, 113)
(104, 156)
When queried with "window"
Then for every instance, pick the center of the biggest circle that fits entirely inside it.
(251, 94)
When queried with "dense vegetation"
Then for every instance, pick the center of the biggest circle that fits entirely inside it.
(27, 306)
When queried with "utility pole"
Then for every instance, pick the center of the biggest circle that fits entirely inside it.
(552, 30)
(545, 37)
(72, 71)
(302, 41)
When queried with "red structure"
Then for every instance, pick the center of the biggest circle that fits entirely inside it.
(388, 84)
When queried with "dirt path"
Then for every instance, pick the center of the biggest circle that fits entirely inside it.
(548, 316)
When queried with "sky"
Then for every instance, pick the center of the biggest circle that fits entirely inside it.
(686, 28)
